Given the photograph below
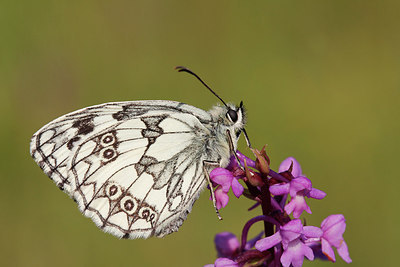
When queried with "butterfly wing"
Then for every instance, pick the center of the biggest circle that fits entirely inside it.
(134, 168)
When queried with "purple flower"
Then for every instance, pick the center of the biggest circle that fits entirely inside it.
(287, 241)
(291, 237)
(225, 180)
(227, 244)
(228, 247)
(333, 228)
(298, 188)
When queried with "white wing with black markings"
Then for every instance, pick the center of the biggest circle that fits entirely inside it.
(135, 168)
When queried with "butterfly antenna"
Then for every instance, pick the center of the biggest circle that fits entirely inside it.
(183, 69)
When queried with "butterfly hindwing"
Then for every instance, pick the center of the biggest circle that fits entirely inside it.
(134, 168)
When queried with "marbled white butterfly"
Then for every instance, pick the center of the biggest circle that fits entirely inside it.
(136, 168)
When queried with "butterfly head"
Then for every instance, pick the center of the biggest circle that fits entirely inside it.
(230, 117)
(236, 117)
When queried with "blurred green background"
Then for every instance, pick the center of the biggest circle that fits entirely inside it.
(320, 80)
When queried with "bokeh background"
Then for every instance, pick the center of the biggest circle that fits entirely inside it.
(320, 80)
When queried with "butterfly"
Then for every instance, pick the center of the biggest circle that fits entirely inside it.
(137, 167)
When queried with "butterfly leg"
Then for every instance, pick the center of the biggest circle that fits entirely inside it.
(207, 165)
(247, 138)
(232, 148)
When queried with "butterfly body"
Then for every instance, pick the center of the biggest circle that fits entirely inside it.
(135, 168)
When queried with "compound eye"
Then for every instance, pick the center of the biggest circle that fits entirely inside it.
(232, 115)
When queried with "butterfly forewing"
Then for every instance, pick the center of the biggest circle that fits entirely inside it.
(135, 168)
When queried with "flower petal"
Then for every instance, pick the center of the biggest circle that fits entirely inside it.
(268, 242)
(225, 262)
(286, 258)
(285, 165)
(316, 193)
(221, 197)
(279, 189)
(299, 250)
(331, 221)
(312, 231)
(344, 252)
(327, 250)
(308, 252)
(289, 207)
(237, 188)
(222, 177)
